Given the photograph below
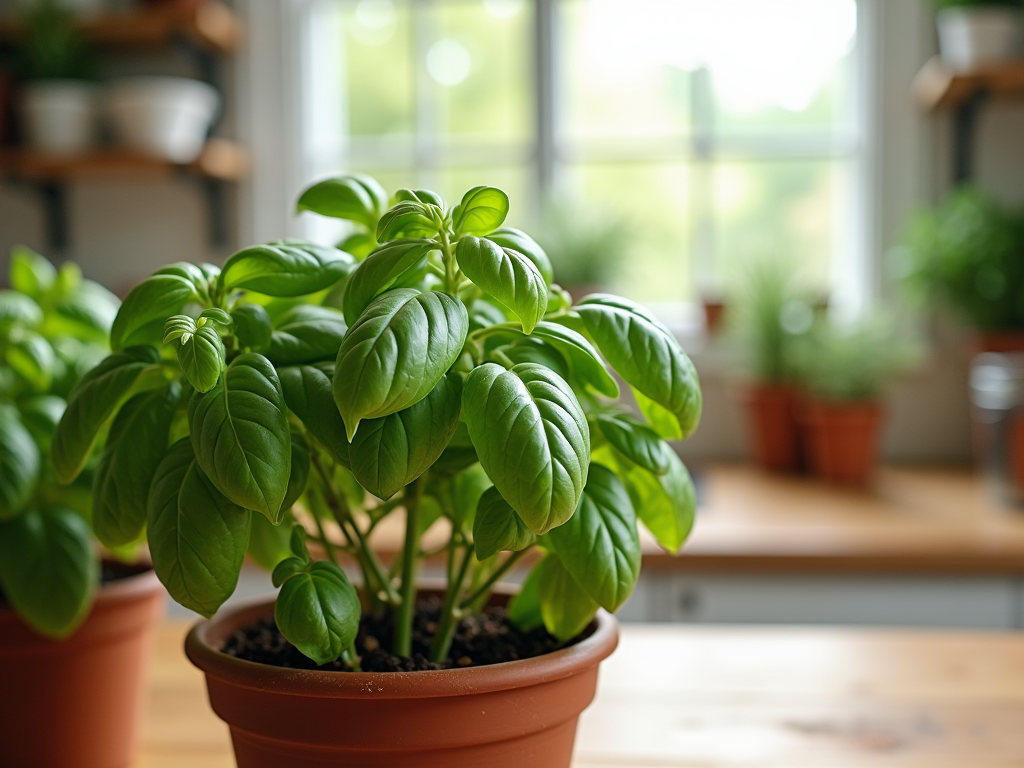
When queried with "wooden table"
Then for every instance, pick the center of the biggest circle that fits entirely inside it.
(729, 697)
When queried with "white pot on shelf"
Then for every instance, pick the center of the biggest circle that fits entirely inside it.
(164, 116)
(59, 116)
(971, 37)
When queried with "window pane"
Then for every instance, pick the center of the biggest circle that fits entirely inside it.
(616, 83)
(789, 66)
(480, 65)
(796, 210)
(653, 202)
(516, 181)
(379, 67)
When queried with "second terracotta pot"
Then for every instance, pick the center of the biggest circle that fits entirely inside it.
(774, 431)
(520, 714)
(842, 440)
(77, 703)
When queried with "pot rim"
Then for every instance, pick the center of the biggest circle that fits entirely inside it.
(130, 587)
(201, 651)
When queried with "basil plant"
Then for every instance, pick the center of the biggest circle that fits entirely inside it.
(302, 394)
(53, 329)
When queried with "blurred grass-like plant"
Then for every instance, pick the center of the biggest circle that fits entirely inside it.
(586, 244)
(52, 47)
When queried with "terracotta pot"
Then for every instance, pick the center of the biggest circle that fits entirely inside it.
(997, 341)
(511, 715)
(77, 703)
(774, 431)
(842, 440)
(714, 315)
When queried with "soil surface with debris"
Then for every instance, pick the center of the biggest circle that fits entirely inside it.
(479, 640)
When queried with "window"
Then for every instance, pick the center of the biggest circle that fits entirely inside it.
(719, 130)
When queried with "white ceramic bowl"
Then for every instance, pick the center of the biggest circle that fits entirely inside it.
(59, 116)
(164, 116)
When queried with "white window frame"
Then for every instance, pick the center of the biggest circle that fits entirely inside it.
(287, 129)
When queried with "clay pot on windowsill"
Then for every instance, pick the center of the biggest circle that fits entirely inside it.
(77, 703)
(511, 715)
(841, 439)
(773, 428)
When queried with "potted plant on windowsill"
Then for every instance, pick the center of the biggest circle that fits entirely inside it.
(844, 371)
(58, 100)
(455, 383)
(72, 643)
(767, 315)
(973, 33)
(968, 255)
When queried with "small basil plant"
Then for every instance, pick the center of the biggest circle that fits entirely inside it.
(302, 394)
(53, 329)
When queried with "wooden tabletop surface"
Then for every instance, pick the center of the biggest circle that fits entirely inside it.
(910, 521)
(675, 696)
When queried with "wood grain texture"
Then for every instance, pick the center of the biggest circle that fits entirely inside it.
(939, 87)
(728, 697)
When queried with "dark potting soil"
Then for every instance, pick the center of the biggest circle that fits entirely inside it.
(110, 570)
(479, 640)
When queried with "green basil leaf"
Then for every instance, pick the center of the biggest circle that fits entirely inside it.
(306, 334)
(19, 463)
(141, 317)
(666, 503)
(485, 314)
(424, 196)
(359, 244)
(134, 449)
(532, 438)
(646, 354)
(662, 420)
(584, 361)
(318, 611)
(216, 315)
(390, 452)
(308, 394)
(300, 471)
(252, 327)
(380, 271)
(469, 485)
(636, 441)
(519, 241)
(506, 275)
(197, 537)
(285, 268)
(48, 569)
(31, 357)
(201, 356)
(41, 414)
(94, 400)
(524, 607)
(268, 543)
(18, 308)
(241, 437)
(459, 454)
(397, 351)
(497, 527)
(531, 350)
(354, 197)
(30, 273)
(599, 545)
(87, 314)
(199, 276)
(566, 609)
(406, 219)
(482, 210)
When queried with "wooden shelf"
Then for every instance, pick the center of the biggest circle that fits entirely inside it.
(939, 87)
(222, 160)
(211, 26)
